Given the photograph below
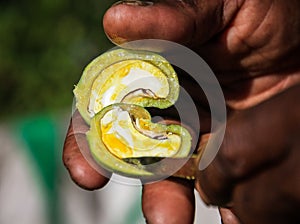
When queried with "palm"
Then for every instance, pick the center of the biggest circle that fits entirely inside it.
(250, 54)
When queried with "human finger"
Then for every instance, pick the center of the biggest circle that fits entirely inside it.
(81, 171)
(272, 195)
(184, 21)
(254, 140)
(163, 201)
(228, 217)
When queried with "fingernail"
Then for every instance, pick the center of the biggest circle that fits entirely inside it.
(134, 2)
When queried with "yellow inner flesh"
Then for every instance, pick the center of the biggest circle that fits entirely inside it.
(124, 141)
(125, 77)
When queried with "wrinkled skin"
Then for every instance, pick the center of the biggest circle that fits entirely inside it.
(253, 47)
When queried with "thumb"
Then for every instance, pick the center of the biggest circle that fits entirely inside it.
(255, 139)
(182, 21)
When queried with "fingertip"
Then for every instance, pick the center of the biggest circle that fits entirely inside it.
(81, 172)
(163, 202)
(127, 22)
(86, 177)
(228, 217)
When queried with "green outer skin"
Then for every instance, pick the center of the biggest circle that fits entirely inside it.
(83, 88)
(107, 160)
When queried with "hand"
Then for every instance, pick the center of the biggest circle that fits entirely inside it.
(252, 46)
(80, 170)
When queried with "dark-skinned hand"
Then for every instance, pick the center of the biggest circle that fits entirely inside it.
(253, 48)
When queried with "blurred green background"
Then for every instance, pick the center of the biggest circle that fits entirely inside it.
(44, 46)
